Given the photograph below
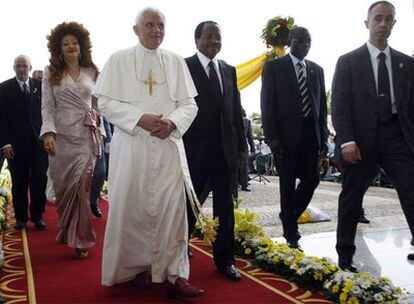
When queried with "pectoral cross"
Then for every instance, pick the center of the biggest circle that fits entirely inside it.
(150, 82)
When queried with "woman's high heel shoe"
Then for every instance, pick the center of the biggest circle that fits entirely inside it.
(81, 253)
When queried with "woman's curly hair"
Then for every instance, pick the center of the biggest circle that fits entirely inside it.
(56, 65)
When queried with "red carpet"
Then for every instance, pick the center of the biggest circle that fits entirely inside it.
(60, 278)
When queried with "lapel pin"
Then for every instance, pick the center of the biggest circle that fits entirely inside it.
(35, 91)
(401, 65)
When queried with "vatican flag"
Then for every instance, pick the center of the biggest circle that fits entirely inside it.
(312, 215)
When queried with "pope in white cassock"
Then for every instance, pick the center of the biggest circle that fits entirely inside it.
(147, 93)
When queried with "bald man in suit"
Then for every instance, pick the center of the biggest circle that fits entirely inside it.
(373, 115)
(20, 119)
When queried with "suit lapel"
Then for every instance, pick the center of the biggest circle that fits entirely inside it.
(310, 74)
(18, 91)
(224, 73)
(200, 70)
(398, 69)
(17, 88)
(204, 77)
(290, 70)
(365, 69)
(31, 83)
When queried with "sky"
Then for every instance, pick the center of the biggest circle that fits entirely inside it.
(336, 27)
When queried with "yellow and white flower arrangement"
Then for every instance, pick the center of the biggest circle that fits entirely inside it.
(317, 274)
(5, 199)
(5, 196)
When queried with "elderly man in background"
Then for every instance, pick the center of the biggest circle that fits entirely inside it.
(37, 74)
(20, 119)
(148, 95)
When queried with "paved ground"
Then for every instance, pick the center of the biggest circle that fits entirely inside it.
(381, 207)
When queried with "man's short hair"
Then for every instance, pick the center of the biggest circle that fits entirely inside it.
(140, 17)
(36, 72)
(200, 26)
(373, 5)
(295, 32)
(22, 57)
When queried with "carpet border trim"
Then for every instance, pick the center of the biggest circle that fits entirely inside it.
(267, 286)
(29, 270)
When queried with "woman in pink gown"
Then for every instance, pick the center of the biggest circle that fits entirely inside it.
(70, 131)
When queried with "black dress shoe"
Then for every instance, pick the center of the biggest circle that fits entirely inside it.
(362, 219)
(347, 266)
(294, 245)
(19, 225)
(246, 189)
(96, 211)
(40, 224)
(410, 256)
(231, 272)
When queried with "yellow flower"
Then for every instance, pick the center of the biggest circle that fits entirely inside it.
(247, 251)
(348, 285)
(335, 288)
(343, 297)
(210, 230)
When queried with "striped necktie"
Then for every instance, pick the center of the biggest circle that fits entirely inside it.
(304, 91)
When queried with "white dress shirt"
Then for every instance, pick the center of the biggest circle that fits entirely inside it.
(374, 52)
(27, 82)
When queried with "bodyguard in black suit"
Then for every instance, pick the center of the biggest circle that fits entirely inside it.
(373, 115)
(20, 110)
(293, 104)
(214, 143)
(243, 172)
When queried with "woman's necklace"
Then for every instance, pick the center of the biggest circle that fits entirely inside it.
(75, 75)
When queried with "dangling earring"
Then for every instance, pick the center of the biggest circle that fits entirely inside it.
(61, 59)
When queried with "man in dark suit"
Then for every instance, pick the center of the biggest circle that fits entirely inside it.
(244, 167)
(373, 115)
(214, 143)
(99, 172)
(20, 118)
(293, 104)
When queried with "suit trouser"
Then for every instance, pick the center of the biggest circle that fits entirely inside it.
(394, 156)
(244, 172)
(2, 158)
(98, 177)
(302, 163)
(220, 182)
(28, 172)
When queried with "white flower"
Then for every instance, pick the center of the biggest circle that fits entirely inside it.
(356, 290)
(378, 297)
